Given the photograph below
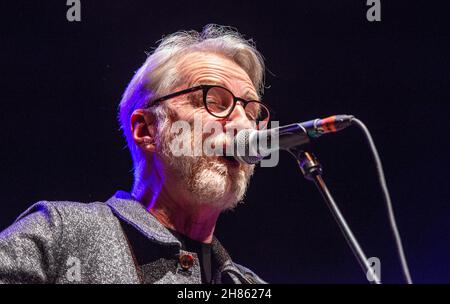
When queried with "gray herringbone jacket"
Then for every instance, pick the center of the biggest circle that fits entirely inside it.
(113, 242)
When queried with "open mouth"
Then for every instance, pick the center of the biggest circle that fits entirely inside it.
(230, 160)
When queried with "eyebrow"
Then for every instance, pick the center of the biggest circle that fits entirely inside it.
(209, 82)
(249, 95)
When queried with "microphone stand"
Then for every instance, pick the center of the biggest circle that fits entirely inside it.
(312, 170)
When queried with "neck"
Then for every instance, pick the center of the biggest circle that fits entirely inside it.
(197, 225)
(196, 220)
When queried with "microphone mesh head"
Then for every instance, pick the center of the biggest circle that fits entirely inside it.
(242, 148)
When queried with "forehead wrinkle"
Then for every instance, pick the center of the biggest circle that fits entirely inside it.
(201, 68)
(220, 75)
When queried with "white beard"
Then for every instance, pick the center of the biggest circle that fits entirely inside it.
(208, 179)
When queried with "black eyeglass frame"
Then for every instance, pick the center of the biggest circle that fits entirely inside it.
(206, 88)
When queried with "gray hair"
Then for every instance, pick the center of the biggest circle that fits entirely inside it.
(158, 75)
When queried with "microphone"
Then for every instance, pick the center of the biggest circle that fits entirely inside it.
(251, 146)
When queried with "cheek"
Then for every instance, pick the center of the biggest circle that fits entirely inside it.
(206, 124)
(202, 116)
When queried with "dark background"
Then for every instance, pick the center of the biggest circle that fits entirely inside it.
(61, 83)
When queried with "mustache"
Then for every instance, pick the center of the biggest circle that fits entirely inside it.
(189, 144)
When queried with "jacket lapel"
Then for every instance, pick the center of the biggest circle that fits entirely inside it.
(124, 206)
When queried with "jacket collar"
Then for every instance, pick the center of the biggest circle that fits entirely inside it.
(128, 209)
(131, 211)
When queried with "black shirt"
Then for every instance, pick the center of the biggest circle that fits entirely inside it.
(203, 252)
(146, 257)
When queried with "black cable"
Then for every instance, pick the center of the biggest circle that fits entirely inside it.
(387, 198)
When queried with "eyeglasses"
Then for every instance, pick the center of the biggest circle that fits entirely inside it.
(220, 102)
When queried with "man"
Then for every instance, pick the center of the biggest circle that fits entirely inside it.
(163, 231)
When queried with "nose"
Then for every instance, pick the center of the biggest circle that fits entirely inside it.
(238, 119)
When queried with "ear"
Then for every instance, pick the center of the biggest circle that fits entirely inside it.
(143, 129)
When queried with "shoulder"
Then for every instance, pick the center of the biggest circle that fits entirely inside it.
(68, 212)
(249, 274)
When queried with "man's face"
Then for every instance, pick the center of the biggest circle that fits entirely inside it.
(212, 180)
